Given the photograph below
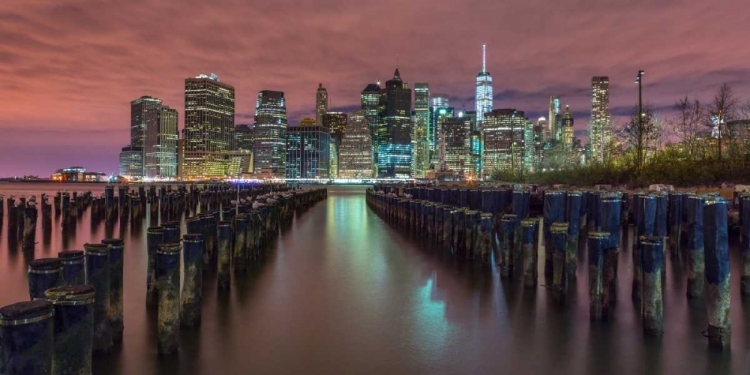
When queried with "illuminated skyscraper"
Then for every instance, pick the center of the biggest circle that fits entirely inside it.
(335, 122)
(308, 150)
(131, 162)
(483, 96)
(456, 144)
(144, 115)
(209, 126)
(554, 111)
(161, 145)
(321, 104)
(395, 129)
(243, 137)
(370, 104)
(504, 136)
(269, 145)
(476, 143)
(566, 130)
(355, 152)
(439, 100)
(437, 118)
(600, 125)
(422, 137)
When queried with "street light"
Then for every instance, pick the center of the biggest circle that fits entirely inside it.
(639, 81)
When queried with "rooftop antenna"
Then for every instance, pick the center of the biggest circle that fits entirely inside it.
(484, 58)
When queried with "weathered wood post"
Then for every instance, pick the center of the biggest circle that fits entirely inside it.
(573, 218)
(559, 232)
(717, 273)
(43, 274)
(675, 221)
(610, 223)
(652, 264)
(554, 212)
(530, 256)
(695, 247)
(74, 272)
(168, 277)
(509, 222)
(26, 338)
(74, 328)
(598, 290)
(116, 283)
(225, 237)
(645, 227)
(192, 287)
(97, 272)
(154, 238)
(30, 214)
(745, 236)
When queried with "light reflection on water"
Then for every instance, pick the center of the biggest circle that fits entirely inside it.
(344, 292)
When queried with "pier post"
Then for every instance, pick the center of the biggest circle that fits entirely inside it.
(73, 272)
(610, 222)
(554, 212)
(74, 328)
(26, 338)
(573, 217)
(97, 271)
(225, 237)
(652, 264)
(154, 238)
(116, 282)
(645, 227)
(559, 241)
(168, 276)
(43, 274)
(458, 222)
(717, 273)
(598, 290)
(695, 247)
(528, 229)
(485, 237)
(192, 287)
(745, 245)
(240, 247)
(675, 221)
(29, 225)
(509, 223)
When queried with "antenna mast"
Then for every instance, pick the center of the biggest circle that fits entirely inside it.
(484, 58)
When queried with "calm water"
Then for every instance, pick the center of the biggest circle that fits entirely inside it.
(345, 293)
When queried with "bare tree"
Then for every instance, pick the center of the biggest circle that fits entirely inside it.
(722, 109)
(641, 135)
(690, 115)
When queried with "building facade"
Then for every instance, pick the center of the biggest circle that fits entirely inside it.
(308, 150)
(355, 152)
(566, 129)
(395, 130)
(270, 142)
(161, 145)
(554, 112)
(321, 104)
(131, 162)
(483, 96)
(209, 127)
(503, 140)
(144, 118)
(600, 125)
(456, 141)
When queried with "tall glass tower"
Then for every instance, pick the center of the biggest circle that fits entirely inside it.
(270, 129)
(321, 104)
(600, 125)
(483, 96)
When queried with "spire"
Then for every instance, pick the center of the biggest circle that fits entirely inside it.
(320, 85)
(397, 75)
(484, 58)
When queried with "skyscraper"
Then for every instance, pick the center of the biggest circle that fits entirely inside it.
(321, 104)
(504, 136)
(161, 145)
(456, 144)
(355, 152)
(554, 111)
(209, 126)
(269, 145)
(144, 115)
(422, 137)
(370, 104)
(600, 125)
(243, 137)
(566, 129)
(131, 162)
(483, 98)
(394, 131)
(307, 150)
(335, 122)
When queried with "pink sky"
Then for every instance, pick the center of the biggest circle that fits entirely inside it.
(68, 69)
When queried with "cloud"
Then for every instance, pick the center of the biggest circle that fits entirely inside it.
(68, 70)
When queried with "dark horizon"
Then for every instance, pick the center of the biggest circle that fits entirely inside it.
(69, 71)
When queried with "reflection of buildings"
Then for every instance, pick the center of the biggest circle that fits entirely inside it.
(308, 150)
(355, 152)
(503, 140)
(78, 174)
(269, 144)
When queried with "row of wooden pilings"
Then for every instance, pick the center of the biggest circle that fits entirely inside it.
(496, 226)
(76, 307)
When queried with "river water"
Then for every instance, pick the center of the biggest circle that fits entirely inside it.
(343, 292)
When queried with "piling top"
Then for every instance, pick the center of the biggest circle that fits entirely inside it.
(155, 230)
(487, 215)
(715, 200)
(171, 225)
(26, 312)
(509, 217)
(559, 228)
(192, 238)
(169, 248)
(71, 295)
(96, 248)
(67, 254)
(225, 223)
(599, 235)
(114, 242)
(574, 193)
(651, 240)
(45, 264)
(528, 222)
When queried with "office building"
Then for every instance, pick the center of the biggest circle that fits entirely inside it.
(437, 115)
(503, 140)
(321, 104)
(308, 150)
(553, 118)
(270, 142)
(243, 137)
(456, 144)
(600, 125)
(144, 116)
(566, 130)
(131, 162)
(355, 152)
(161, 145)
(395, 130)
(209, 127)
(483, 97)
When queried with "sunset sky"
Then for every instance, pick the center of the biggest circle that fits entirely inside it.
(68, 69)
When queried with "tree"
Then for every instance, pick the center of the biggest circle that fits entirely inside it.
(722, 109)
(641, 135)
(690, 114)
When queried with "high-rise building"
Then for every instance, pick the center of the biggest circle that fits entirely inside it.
(209, 126)
(437, 115)
(566, 129)
(321, 104)
(528, 145)
(456, 143)
(422, 137)
(503, 140)
(395, 129)
(483, 98)
(308, 150)
(144, 116)
(600, 125)
(541, 132)
(355, 152)
(370, 104)
(439, 100)
(476, 143)
(269, 145)
(161, 145)
(131, 162)
(336, 123)
(240, 159)
(243, 137)
(554, 111)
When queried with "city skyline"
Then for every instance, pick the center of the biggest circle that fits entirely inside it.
(83, 70)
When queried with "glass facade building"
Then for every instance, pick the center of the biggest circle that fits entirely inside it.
(131, 162)
(269, 144)
(321, 104)
(600, 125)
(456, 143)
(395, 129)
(308, 150)
(144, 119)
(483, 96)
(504, 136)
(161, 145)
